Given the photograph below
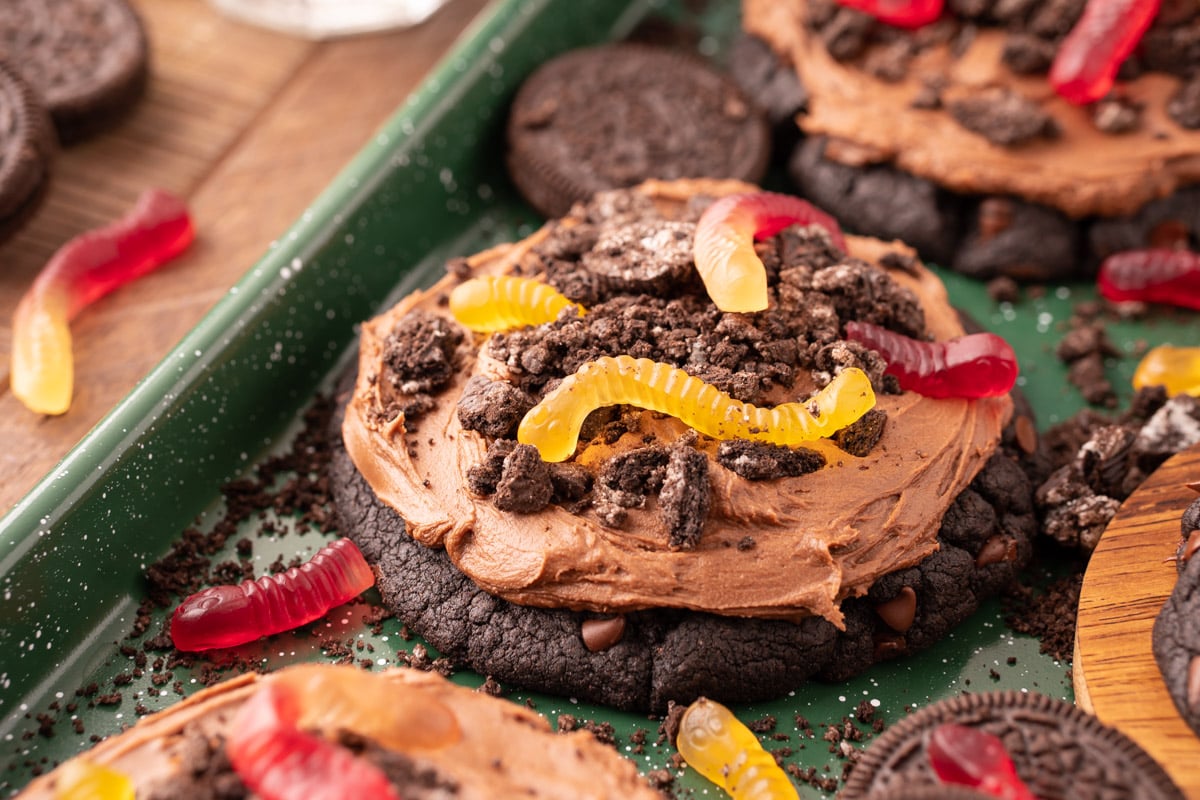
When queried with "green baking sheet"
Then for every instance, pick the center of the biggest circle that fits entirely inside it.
(429, 186)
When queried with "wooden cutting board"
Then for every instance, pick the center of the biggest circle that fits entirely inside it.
(1128, 579)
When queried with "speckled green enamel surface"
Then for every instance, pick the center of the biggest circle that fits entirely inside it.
(429, 186)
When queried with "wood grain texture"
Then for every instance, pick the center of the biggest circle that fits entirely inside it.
(1128, 579)
(249, 126)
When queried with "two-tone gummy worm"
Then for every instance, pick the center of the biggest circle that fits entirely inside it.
(552, 426)
(79, 779)
(1177, 369)
(279, 741)
(1171, 277)
(82, 271)
(499, 303)
(900, 13)
(976, 365)
(966, 756)
(716, 744)
(723, 248)
(1087, 61)
(225, 616)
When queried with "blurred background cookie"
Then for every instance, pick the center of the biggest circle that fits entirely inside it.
(612, 116)
(88, 60)
(27, 148)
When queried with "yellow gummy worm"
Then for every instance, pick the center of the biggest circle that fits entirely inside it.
(552, 426)
(1175, 368)
(83, 780)
(718, 746)
(498, 303)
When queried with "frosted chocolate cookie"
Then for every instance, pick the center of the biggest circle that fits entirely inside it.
(598, 570)
(1058, 750)
(88, 60)
(950, 134)
(613, 116)
(27, 149)
(321, 730)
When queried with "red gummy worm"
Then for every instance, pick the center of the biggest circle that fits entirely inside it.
(82, 271)
(966, 756)
(901, 13)
(978, 365)
(1088, 58)
(1152, 276)
(224, 616)
(277, 761)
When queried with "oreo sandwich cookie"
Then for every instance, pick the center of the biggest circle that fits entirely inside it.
(651, 563)
(27, 149)
(949, 134)
(1176, 636)
(88, 60)
(615, 115)
(1059, 751)
(337, 731)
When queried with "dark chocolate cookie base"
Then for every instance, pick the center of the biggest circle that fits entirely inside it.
(980, 236)
(1060, 752)
(672, 655)
(615, 115)
(1176, 642)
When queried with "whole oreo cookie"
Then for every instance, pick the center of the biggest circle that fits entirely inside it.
(88, 60)
(612, 116)
(27, 148)
(1059, 751)
(1176, 636)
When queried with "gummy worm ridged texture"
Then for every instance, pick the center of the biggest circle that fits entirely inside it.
(552, 426)
(499, 303)
(718, 746)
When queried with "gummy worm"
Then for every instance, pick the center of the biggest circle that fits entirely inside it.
(723, 248)
(1088, 59)
(977, 365)
(718, 746)
(82, 271)
(224, 616)
(501, 302)
(900, 13)
(967, 756)
(552, 426)
(83, 780)
(1153, 276)
(1177, 369)
(278, 761)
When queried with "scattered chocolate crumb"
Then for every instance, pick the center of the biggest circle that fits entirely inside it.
(685, 496)
(1003, 117)
(760, 461)
(860, 437)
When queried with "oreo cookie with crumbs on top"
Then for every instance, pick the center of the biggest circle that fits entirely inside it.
(612, 116)
(27, 149)
(1060, 752)
(88, 60)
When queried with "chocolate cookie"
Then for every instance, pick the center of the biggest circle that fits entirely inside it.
(397, 733)
(1059, 751)
(27, 149)
(642, 492)
(612, 116)
(1176, 636)
(642, 660)
(88, 60)
(949, 135)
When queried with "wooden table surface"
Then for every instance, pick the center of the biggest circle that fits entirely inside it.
(248, 125)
